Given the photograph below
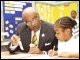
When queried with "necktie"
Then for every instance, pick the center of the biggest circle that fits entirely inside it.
(34, 39)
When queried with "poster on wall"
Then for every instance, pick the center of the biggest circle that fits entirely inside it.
(12, 13)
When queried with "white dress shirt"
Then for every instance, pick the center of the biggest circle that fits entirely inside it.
(37, 34)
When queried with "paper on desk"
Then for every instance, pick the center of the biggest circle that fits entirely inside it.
(6, 55)
(16, 56)
(38, 57)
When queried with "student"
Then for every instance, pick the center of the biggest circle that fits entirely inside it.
(74, 16)
(68, 46)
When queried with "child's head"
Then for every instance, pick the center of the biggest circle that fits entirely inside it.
(63, 28)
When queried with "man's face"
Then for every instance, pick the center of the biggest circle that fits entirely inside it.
(32, 20)
(73, 14)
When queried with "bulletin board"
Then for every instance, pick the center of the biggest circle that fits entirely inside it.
(12, 13)
(50, 13)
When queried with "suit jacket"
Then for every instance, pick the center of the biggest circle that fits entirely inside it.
(46, 42)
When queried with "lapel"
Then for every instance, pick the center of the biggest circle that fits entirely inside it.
(26, 37)
(42, 35)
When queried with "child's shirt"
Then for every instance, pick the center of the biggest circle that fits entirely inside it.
(71, 45)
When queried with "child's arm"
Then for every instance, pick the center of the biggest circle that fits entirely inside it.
(69, 55)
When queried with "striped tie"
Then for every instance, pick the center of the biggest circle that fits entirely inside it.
(34, 39)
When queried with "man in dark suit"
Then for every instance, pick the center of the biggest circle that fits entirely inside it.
(45, 35)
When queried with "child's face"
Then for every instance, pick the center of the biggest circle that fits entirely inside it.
(61, 34)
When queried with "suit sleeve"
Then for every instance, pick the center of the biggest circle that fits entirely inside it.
(12, 51)
(53, 39)
(17, 48)
(55, 43)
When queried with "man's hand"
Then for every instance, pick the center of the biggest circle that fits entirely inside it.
(15, 39)
(52, 52)
(34, 50)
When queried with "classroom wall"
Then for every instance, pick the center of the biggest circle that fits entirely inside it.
(52, 12)
(11, 13)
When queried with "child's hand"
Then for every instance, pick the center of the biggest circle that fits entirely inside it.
(52, 52)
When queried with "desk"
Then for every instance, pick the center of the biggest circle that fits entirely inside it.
(6, 55)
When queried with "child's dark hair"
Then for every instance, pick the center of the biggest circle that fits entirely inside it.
(65, 22)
